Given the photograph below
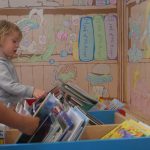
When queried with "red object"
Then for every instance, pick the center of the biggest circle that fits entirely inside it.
(30, 101)
(121, 111)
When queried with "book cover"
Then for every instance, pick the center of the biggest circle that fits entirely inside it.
(128, 129)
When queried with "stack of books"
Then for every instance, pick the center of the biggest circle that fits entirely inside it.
(59, 121)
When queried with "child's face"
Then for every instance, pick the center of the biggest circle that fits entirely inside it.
(10, 44)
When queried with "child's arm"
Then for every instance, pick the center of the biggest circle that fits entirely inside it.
(9, 83)
(26, 124)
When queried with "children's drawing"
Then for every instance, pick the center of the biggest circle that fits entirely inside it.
(73, 37)
(75, 20)
(86, 39)
(96, 79)
(63, 53)
(75, 51)
(100, 39)
(146, 35)
(27, 24)
(111, 35)
(102, 2)
(135, 54)
(48, 53)
(45, 56)
(60, 46)
(38, 12)
(42, 39)
(62, 36)
(28, 45)
(52, 61)
(136, 77)
(53, 3)
(82, 2)
(67, 23)
(100, 91)
(67, 73)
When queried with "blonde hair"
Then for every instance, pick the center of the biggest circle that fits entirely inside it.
(7, 28)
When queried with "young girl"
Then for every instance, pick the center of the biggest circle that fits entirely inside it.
(11, 90)
(25, 124)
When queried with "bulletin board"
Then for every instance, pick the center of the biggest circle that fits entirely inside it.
(137, 57)
(72, 41)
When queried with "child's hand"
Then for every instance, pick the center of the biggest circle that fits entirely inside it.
(30, 125)
(37, 93)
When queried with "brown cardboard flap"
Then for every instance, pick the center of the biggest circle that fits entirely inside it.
(11, 136)
(119, 118)
(96, 131)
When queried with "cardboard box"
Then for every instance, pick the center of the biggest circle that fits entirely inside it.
(90, 140)
(108, 117)
(11, 135)
(96, 131)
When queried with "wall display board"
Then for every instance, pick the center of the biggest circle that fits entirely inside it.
(69, 40)
(137, 57)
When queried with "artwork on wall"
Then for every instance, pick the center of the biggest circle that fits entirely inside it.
(66, 47)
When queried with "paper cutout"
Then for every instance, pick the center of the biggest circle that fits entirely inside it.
(96, 79)
(100, 39)
(86, 39)
(111, 35)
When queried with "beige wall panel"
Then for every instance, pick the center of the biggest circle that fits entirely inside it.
(27, 75)
(38, 77)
